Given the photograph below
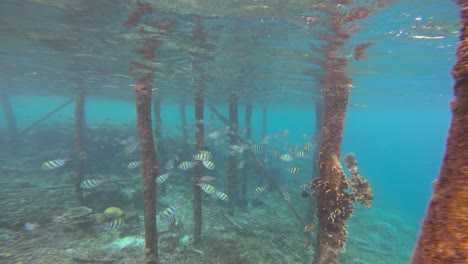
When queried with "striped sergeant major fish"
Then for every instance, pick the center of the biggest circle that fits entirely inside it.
(209, 164)
(54, 164)
(203, 155)
(133, 165)
(222, 196)
(261, 189)
(91, 183)
(186, 165)
(294, 170)
(112, 225)
(168, 214)
(162, 178)
(208, 188)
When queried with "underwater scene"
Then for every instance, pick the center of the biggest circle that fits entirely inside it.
(213, 131)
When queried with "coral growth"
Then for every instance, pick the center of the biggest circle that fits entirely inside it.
(76, 218)
(362, 191)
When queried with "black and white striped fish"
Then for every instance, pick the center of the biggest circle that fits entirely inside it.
(53, 164)
(112, 225)
(162, 178)
(186, 165)
(209, 164)
(91, 183)
(261, 189)
(134, 165)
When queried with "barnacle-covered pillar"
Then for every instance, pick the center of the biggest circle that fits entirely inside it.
(147, 44)
(80, 127)
(444, 235)
(233, 190)
(9, 115)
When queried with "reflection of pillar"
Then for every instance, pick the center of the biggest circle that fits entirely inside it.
(79, 142)
(149, 166)
(158, 135)
(9, 115)
(444, 231)
(197, 203)
(233, 191)
(248, 135)
(183, 121)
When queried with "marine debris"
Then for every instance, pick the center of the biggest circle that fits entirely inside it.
(443, 238)
(76, 218)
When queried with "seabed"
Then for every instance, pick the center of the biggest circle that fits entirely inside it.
(263, 230)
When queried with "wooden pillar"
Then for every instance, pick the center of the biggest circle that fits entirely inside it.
(9, 115)
(79, 142)
(444, 235)
(150, 167)
(233, 180)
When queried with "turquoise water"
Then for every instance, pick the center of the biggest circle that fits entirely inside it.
(396, 125)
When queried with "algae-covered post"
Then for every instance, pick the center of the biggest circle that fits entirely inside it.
(233, 190)
(80, 127)
(248, 135)
(144, 74)
(150, 167)
(443, 238)
(158, 135)
(9, 115)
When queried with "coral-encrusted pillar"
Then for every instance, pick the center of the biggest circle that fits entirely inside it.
(149, 167)
(444, 236)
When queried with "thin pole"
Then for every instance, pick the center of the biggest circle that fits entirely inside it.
(9, 115)
(444, 232)
(248, 136)
(233, 180)
(197, 195)
(42, 119)
(79, 142)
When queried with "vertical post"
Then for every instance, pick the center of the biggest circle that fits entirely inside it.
(197, 204)
(9, 115)
(248, 136)
(150, 167)
(233, 191)
(158, 135)
(183, 121)
(79, 142)
(443, 238)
